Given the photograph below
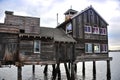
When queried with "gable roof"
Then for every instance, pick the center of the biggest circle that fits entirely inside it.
(86, 10)
(57, 34)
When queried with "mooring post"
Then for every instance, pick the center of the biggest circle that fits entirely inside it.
(45, 70)
(108, 70)
(94, 70)
(19, 68)
(33, 69)
(83, 69)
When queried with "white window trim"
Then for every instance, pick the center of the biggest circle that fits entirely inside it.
(89, 51)
(106, 50)
(94, 48)
(95, 31)
(90, 29)
(105, 31)
(39, 46)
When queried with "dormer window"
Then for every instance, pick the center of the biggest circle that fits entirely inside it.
(69, 28)
(87, 29)
(95, 30)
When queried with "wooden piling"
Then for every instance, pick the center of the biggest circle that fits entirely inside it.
(75, 68)
(108, 70)
(45, 70)
(33, 69)
(94, 70)
(83, 69)
(53, 71)
(19, 68)
(59, 73)
(67, 71)
(72, 72)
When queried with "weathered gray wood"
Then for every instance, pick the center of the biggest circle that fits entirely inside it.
(45, 70)
(94, 69)
(83, 68)
(19, 68)
(108, 70)
(33, 69)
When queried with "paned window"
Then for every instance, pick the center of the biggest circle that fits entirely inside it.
(96, 48)
(87, 29)
(103, 31)
(88, 48)
(95, 30)
(104, 48)
(69, 28)
(36, 46)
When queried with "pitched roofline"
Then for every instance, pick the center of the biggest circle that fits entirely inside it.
(90, 7)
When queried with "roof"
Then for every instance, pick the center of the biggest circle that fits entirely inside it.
(86, 10)
(70, 11)
(57, 34)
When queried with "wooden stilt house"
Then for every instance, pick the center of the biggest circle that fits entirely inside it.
(82, 36)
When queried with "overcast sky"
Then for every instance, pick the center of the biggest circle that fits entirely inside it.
(46, 10)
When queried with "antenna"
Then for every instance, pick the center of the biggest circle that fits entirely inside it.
(57, 19)
(71, 7)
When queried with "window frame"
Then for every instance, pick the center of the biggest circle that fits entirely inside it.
(68, 25)
(39, 46)
(102, 30)
(97, 51)
(88, 50)
(106, 49)
(95, 32)
(87, 29)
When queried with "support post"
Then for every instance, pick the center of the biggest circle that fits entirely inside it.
(94, 70)
(19, 68)
(45, 70)
(59, 73)
(67, 71)
(83, 69)
(72, 72)
(108, 70)
(33, 69)
(75, 68)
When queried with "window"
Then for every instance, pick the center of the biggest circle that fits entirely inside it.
(103, 31)
(69, 28)
(87, 29)
(96, 48)
(22, 31)
(95, 30)
(104, 48)
(88, 48)
(36, 46)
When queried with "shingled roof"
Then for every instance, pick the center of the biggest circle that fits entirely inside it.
(57, 34)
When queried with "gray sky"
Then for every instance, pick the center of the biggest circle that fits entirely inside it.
(46, 10)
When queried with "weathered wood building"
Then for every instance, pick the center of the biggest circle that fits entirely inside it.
(81, 37)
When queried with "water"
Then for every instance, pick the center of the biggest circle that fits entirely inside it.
(11, 73)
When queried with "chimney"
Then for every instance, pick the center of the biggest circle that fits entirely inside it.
(9, 12)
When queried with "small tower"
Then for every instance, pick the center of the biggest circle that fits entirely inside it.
(69, 13)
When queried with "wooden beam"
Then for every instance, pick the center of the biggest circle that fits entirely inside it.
(108, 70)
(94, 70)
(45, 70)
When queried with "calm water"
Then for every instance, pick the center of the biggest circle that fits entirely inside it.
(11, 73)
